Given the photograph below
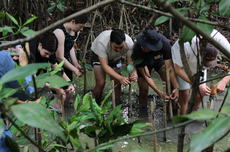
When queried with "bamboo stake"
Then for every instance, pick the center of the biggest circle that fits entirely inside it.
(153, 125)
(85, 78)
(169, 92)
(61, 104)
(164, 111)
(113, 95)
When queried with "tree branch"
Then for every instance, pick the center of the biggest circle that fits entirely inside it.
(169, 15)
(90, 9)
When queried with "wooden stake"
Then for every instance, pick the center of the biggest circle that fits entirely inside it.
(61, 104)
(164, 111)
(113, 95)
(39, 139)
(130, 99)
(153, 125)
(169, 92)
(85, 78)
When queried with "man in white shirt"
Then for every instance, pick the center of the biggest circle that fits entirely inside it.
(105, 56)
(191, 56)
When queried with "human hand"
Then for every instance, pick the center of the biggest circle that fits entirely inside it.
(38, 100)
(220, 86)
(204, 90)
(175, 94)
(124, 81)
(78, 73)
(134, 76)
(162, 96)
(59, 91)
(70, 88)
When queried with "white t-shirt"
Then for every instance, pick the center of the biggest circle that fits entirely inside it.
(191, 50)
(102, 47)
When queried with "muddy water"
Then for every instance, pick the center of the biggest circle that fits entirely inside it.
(142, 113)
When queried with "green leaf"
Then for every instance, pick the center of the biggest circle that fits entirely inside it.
(43, 100)
(13, 19)
(210, 135)
(106, 97)
(75, 141)
(200, 115)
(10, 102)
(224, 7)
(22, 72)
(57, 145)
(85, 98)
(225, 109)
(139, 125)
(123, 69)
(187, 34)
(61, 7)
(50, 9)
(135, 131)
(84, 107)
(205, 27)
(23, 139)
(88, 67)
(73, 125)
(29, 20)
(13, 146)
(6, 92)
(27, 32)
(104, 147)
(130, 68)
(54, 81)
(57, 68)
(161, 20)
(52, 102)
(2, 15)
(36, 115)
(138, 61)
(1, 127)
(77, 101)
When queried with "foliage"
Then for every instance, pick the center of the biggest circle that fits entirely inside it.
(213, 132)
(58, 5)
(20, 29)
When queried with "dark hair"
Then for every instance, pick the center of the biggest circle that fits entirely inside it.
(80, 19)
(49, 42)
(117, 36)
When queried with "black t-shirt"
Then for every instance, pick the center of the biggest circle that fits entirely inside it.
(36, 56)
(152, 57)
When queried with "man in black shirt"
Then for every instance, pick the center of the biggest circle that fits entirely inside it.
(155, 51)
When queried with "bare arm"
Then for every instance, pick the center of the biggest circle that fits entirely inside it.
(181, 73)
(104, 64)
(222, 84)
(173, 78)
(60, 52)
(150, 81)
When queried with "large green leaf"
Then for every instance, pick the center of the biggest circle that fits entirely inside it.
(205, 27)
(29, 20)
(210, 135)
(123, 69)
(22, 72)
(2, 127)
(187, 34)
(224, 7)
(27, 32)
(73, 125)
(200, 115)
(225, 109)
(106, 97)
(36, 115)
(161, 20)
(138, 61)
(6, 92)
(9, 102)
(75, 141)
(13, 19)
(13, 146)
(130, 68)
(54, 81)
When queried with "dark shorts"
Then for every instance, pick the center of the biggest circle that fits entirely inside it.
(95, 61)
(156, 67)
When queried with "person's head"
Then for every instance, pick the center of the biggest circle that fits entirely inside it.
(48, 45)
(117, 39)
(210, 55)
(149, 41)
(77, 23)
